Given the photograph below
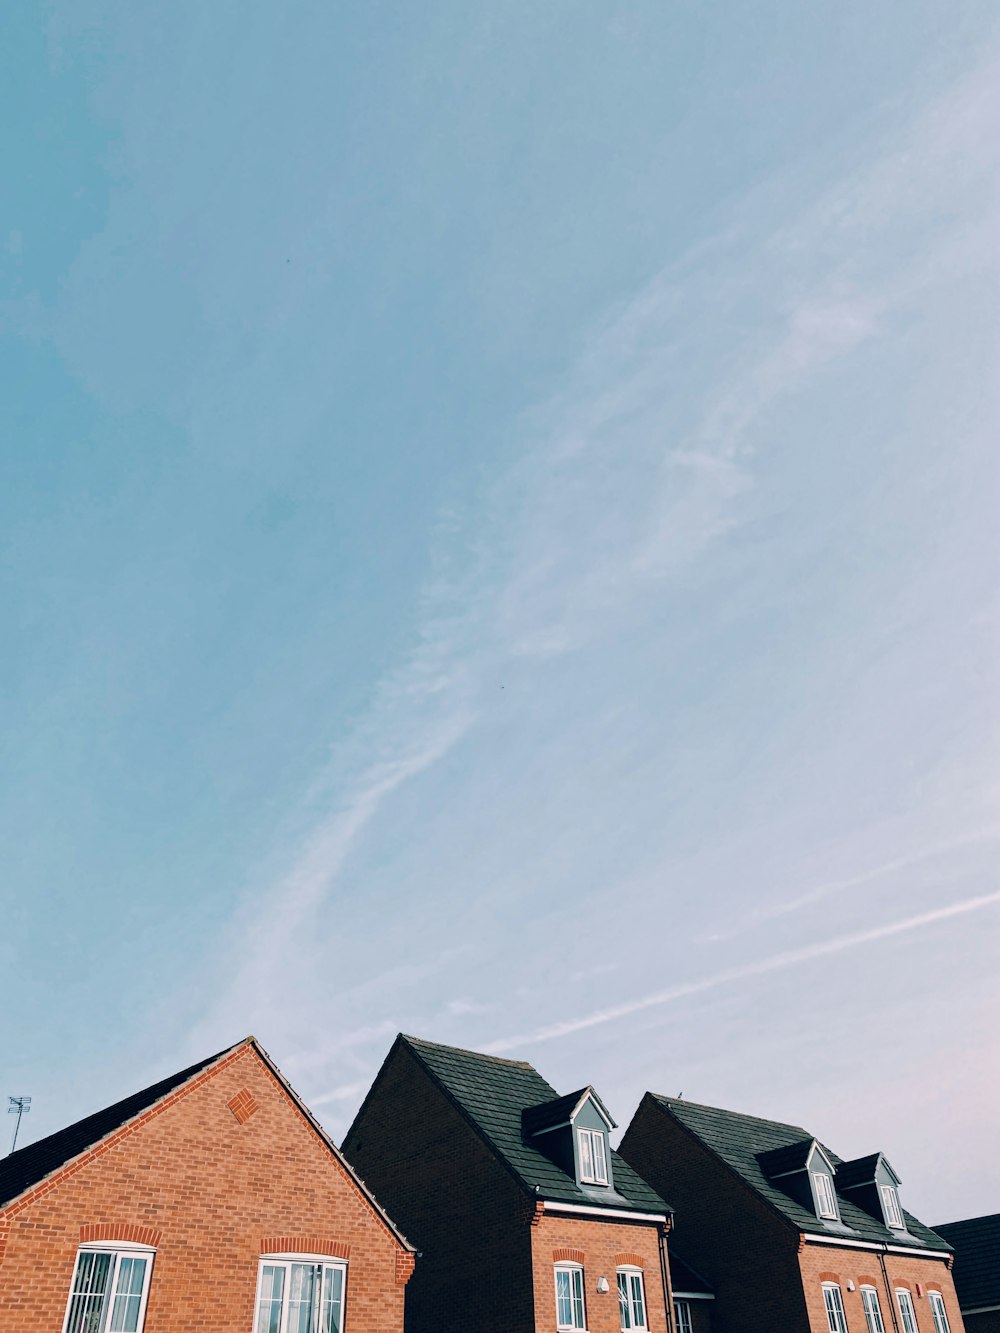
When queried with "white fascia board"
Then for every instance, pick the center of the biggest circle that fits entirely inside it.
(846, 1243)
(609, 1214)
(981, 1309)
(693, 1296)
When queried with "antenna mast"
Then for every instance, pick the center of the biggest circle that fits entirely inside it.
(17, 1106)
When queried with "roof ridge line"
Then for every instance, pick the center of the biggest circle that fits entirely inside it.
(465, 1050)
(743, 1115)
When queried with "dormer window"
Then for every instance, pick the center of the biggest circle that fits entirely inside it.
(593, 1156)
(826, 1199)
(891, 1208)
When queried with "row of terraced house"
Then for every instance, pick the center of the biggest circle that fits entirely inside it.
(468, 1195)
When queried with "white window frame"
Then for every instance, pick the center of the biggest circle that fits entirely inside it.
(682, 1315)
(826, 1196)
(592, 1147)
(938, 1313)
(836, 1319)
(631, 1274)
(322, 1261)
(907, 1310)
(574, 1271)
(118, 1250)
(872, 1309)
(890, 1206)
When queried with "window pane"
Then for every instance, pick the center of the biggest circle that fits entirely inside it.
(834, 1310)
(128, 1294)
(682, 1309)
(586, 1155)
(564, 1299)
(873, 1313)
(272, 1287)
(890, 1202)
(624, 1308)
(638, 1304)
(824, 1194)
(938, 1311)
(600, 1159)
(90, 1285)
(907, 1312)
(331, 1315)
(301, 1297)
(577, 1278)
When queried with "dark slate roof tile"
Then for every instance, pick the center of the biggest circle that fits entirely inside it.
(976, 1242)
(492, 1093)
(780, 1161)
(740, 1140)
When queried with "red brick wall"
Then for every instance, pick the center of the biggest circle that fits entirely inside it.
(829, 1263)
(744, 1250)
(452, 1198)
(210, 1189)
(600, 1246)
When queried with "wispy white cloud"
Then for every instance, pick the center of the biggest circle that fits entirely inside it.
(774, 963)
(640, 472)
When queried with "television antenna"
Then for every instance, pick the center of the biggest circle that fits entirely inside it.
(17, 1106)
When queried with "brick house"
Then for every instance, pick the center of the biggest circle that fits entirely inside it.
(211, 1200)
(976, 1242)
(525, 1219)
(791, 1237)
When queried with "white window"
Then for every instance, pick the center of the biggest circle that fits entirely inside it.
(593, 1156)
(300, 1294)
(873, 1311)
(890, 1203)
(682, 1312)
(109, 1290)
(938, 1312)
(907, 1314)
(631, 1299)
(570, 1311)
(825, 1197)
(834, 1302)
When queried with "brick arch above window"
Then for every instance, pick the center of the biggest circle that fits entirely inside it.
(865, 1281)
(934, 1286)
(120, 1231)
(567, 1256)
(321, 1245)
(629, 1259)
(830, 1277)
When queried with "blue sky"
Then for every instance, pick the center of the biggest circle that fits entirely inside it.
(498, 517)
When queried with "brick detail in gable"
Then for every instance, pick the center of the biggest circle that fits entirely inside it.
(242, 1105)
(629, 1259)
(404, 1267)
(567, 1256)
(322, 1245)
(133, 1231)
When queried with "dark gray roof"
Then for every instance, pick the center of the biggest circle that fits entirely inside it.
(862, 1171)
(740, 1140)
(492, 1093)
(20, 1170)
(780, 1161)
(976, 1242)
(549, 1115)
